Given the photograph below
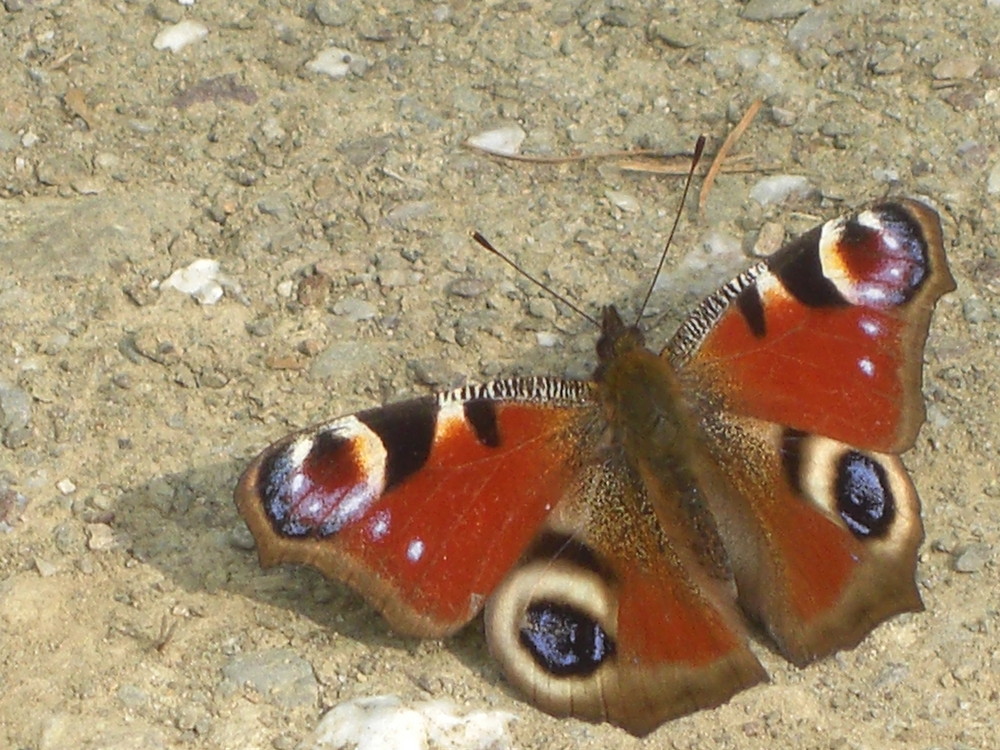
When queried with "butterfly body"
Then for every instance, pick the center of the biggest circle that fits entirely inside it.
(619, 531)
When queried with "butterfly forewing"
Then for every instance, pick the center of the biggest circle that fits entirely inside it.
(423, 505)
(827, 336)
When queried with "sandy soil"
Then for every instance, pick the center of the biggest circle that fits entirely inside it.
(339, 210)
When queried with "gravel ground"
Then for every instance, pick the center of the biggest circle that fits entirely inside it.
(336, 196)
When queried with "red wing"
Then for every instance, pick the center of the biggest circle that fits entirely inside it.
(425, 505)
(822, 537)
(827, 336)
(609, 616)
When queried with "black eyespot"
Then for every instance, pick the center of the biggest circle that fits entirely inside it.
(565, 641)
(864, 498)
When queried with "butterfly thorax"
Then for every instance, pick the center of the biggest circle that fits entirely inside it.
(659, 435)
(639, 390)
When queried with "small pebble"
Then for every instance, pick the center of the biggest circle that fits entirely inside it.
(100, 537)
(505, 141)
(780, 188)
(958, 67)
(671, 31)
(546, 339)
(279, 675)
(971, 558)
(468, 287)
(772, 10)
(888, 61)
(201, 279)
(386, 721)
(334, 12)
(355, 309)
(15, 407)
(769, 239)
(976, 310)
(180, 35)
(624, 201)
(45, 568)
(337, 62)
(100, 501)
(993, 180)
(66, 486)
(543, 308)
(816, 26)
(239, 537)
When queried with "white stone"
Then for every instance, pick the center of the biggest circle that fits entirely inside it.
(180, 35)
(779, 188)
(622, 200)
(505, 141)
(201, 279)
(546, 339)
(993, 179)
(66, 486)
(333, 61)
(384, 722)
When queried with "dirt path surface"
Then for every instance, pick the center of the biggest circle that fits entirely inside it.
(338, 207)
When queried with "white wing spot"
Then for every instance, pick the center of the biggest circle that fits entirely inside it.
(870, 327)
(379, 525)
(299, 451)
(866, 366)
(414, 550)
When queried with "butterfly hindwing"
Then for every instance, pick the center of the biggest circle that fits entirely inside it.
(610, 617)
(822, 536)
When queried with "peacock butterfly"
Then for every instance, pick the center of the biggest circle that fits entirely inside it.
(621, 532)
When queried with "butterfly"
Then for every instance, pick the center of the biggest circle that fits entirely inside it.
(624, 534)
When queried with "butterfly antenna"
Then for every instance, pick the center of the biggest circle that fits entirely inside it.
(488, 246)
(698, 148)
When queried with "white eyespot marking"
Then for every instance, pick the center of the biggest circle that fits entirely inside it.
(298, 481)
(866, 366)
(871, 220)
(770, 288)
(870, 327)
(379, 525)
(312, 507)
(414, 550)
(347, 504)
(450, 417)
(299, 450)
(869, 294)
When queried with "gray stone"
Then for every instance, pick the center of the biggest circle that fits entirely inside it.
(971, 558)
(15, 416)
(772, 10)
(280, 675)
(355, 309)
(334, 12)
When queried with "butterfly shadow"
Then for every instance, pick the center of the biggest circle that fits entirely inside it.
(186, 525)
